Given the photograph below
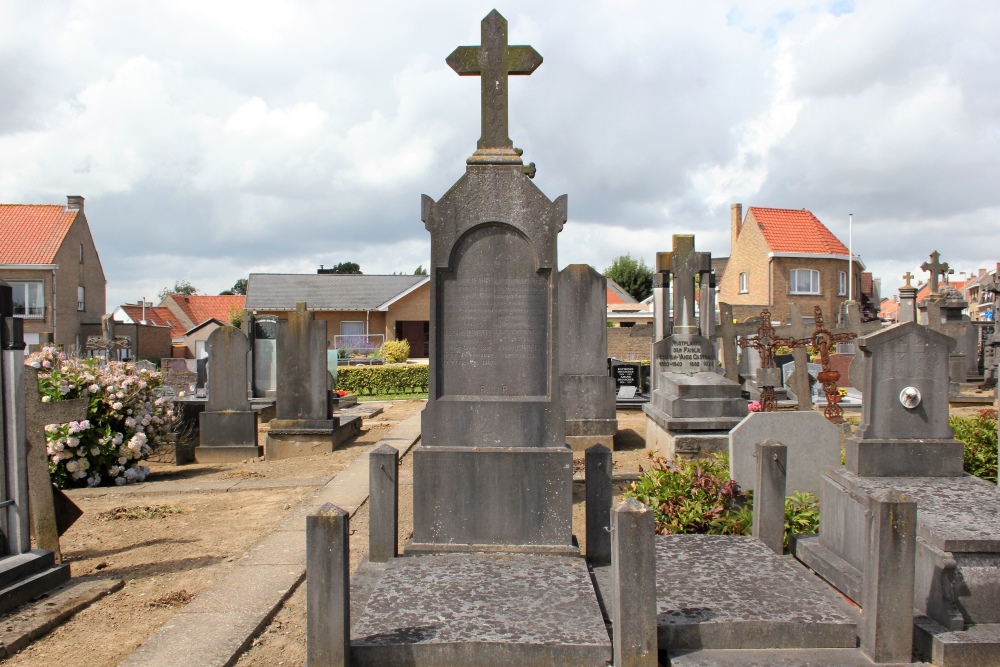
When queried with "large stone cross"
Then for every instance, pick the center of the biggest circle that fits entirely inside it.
(494, 60)
(727, 332)
(935, 267)
(799, 380)
(684, 264)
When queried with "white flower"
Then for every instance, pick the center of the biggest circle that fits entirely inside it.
(120, 394)
(84, 464)
(94, 451)
(113, 471)
(45, 399)
(35, 364)
(79, 474)
(51, 428)
(94, 481)
(129, 422)
(109, 389)
(72, 466)
(116, 405)
(85, 424)
(93, 389)
(120, 481)
(59, 446)
(47, 364)
(72, 442)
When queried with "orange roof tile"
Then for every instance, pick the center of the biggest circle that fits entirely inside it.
(161, 317)
(796, 230)
(32, 233)
(613, 297)
(201, 308)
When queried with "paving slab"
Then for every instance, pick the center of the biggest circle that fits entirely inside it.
(221, 622)
(724, 592)
(975, 646)
(828, 657)
(482, 609)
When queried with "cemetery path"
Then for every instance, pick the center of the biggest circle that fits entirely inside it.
(184, 542)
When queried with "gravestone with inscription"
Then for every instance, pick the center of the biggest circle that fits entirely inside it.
(905, 443)
(265, 356)
(492, 470)
(693, 405)
(631, 381)
(588, 394)
(228, 426)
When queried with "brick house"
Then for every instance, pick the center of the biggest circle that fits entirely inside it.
(782, 255)
(153, 331)
(397, 307)
(199, 315)
(48, 256)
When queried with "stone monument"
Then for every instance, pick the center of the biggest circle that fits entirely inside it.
(693, 406)
(588, 392)
(492, 470)
(228, 427)
(905, 444)
(943, 310)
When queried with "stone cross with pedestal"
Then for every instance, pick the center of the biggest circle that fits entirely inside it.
(727, 333)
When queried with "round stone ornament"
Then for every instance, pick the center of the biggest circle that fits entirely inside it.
(909, 397)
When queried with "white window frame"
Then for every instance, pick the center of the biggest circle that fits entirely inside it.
(842, 283)
(814, 288)
(81, 298)
(744, 283)
(38, 308)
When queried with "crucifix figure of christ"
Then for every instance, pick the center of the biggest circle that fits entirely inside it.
(766, 342)
(935, 267)
(493, 61)
(822, 339)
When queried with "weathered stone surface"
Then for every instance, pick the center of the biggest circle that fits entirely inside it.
(383, 501)
(816, 657)
(813, 447)
(599, 467)
(769, 494)
(228, 357)
(976, 646)
(482, 609)
(722, 592)
(691, 444)
(302, 375)
(328, 588)
(633, 581)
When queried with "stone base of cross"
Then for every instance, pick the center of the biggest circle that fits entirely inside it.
(822, 340)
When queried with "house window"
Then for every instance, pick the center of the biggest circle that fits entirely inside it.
(81, 253)
(29, 300)
(81, 302)
(744, 283)
(842, 284)
(804, 281)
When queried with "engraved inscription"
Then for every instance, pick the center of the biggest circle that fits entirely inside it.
(493, 318)
(685, 357)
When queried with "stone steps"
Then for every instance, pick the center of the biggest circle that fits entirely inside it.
(26, 576)
(825, 657)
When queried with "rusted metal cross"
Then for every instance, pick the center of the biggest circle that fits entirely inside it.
(766, 342)
(494, 60)
(936, 267)
(822, 339)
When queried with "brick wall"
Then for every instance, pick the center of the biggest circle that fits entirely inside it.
(627, 343)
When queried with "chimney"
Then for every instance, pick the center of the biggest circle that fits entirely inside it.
(74, 202)
(735, 225)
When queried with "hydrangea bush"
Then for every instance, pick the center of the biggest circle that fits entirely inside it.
(125, 419)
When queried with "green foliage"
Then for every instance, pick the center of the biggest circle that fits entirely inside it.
(239, 287)
(236, 316)
(396, 351)
(349, 268)
(632, 274)
(693, 497)
(697, 496)
(180, 287)
(979, 433)
(421, 271)
(370, 380)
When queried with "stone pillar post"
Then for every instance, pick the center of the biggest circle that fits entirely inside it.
(383, 504)
(16, 527)
(633, 572)
(328, 588)
(600, 490)
(886, 629)
(769, 495)
(907, 304)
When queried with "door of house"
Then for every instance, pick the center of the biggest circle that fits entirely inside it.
(417, 334)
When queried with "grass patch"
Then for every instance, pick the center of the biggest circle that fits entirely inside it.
(391, 397)
(140, 512)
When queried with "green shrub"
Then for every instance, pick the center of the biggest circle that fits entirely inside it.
(693, 497)
(697, 496)
(397, 351)
(979, 434)
(372, 380)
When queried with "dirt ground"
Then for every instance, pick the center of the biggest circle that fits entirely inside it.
(185, 544)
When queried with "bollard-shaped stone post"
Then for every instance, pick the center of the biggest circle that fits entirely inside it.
(887, 586)
(633, 572)
(769, 495)
(598, 466)
(328, 588)
(383, 504)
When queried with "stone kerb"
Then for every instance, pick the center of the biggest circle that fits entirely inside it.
(813, 447)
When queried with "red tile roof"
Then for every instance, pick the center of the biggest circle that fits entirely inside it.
(613, 297)
(32, 233)
(200, 308)
(796, 230)
(161, 317)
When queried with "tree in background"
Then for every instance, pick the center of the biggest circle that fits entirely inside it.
(239, 287)
(632, 274)
(180, 287)
(421, 271)
(349, 268)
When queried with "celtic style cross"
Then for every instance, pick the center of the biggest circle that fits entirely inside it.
(493, 61)
(908, 277)
(935, 267)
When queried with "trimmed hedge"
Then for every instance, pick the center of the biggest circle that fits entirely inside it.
(387, 379)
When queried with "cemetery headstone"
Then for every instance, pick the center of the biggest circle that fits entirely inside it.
(265, 356)
(693, 406)
(800, 379)
(228, 427)
(727, 334)
(493, 431)
(907, 300)
(588, 394)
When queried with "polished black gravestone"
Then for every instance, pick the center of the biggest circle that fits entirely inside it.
(228, 427)
(493, 470)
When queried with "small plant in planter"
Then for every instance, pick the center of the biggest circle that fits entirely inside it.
(125, 419)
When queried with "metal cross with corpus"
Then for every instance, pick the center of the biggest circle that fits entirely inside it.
(908, 277)
(822, 339)
(935, 267)
(493, 61)
(766, 342)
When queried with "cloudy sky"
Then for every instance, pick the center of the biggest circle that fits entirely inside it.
(216, 138)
